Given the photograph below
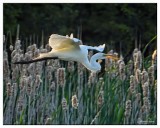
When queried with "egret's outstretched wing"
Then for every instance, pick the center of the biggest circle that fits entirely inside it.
(99, 48)
(58, 42)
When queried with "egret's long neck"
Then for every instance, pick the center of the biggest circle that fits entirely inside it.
(92, 65)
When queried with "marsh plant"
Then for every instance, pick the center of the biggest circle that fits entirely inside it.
(57, 92)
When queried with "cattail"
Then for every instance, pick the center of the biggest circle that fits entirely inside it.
(56, 64)
(138, 75)
(122, 70)
(144, 76)
(31, 68)
(27, 56)
(137, 57)
(49, 72)
(38, 81)
(17, 44)
(154, 58)
(100, 98)
(11, 47)
(128, 109)
(23, 82)
(15, 73)
(6, 71)
(127, 112)
(145, 110)
(74, 102)
(64, 104)
(109, 62)
(70, 66)
(81, 67)
(145, 88)
(151, 75)
(36, 53)
(39, 67)
(132, 84)
(9, 89)
(138, 99)
(33, 48)
(52, 87)
(61, 77)
(92, 78)
(80, 77)
(130, 67)
(16, 58)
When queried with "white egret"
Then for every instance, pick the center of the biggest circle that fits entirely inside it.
(69, 48)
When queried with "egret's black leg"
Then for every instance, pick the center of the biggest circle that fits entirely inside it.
(36, 60)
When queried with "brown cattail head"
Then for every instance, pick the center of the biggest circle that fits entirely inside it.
(9, 89)
(23, 82)
(100, 100)
(145, 88)
(144, 76)
(146, 106)
(151, 75)
(128, 108)
(137, 58)
(61, 77)
(138, 75)
(92, 78)
(38, 81)
(132, 84)
(74, 102)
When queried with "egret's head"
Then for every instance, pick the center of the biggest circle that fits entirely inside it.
(104, 56)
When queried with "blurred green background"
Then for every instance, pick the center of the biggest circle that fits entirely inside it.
(117, 25)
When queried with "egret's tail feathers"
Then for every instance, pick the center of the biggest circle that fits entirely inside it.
(100, 48)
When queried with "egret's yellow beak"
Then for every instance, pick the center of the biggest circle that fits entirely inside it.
(111, 56)
(99, 61)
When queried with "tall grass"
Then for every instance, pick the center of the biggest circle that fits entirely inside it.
(57, 92)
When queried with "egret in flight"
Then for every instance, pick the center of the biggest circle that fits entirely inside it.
(71, 49)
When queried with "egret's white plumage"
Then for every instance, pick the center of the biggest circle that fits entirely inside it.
(70, 48)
